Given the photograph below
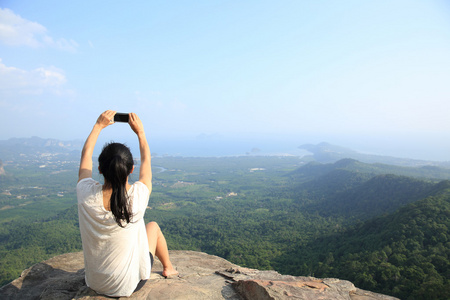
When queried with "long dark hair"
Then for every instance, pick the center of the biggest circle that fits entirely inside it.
(115, 164)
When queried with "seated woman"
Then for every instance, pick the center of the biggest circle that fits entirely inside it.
(118, 246)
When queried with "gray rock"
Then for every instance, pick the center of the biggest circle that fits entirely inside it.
(262, 285)
(202, 276)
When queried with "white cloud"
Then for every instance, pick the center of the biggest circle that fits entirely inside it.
(17, 31)
(62, 44)
(38, 81)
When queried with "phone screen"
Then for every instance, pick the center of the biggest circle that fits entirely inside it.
(121, 117)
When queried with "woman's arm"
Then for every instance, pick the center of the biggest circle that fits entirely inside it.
(145, 171)
(103, 121)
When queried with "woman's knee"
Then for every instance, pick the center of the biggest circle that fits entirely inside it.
(153, 226)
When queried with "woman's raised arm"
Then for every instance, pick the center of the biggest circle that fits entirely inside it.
(104, 120)
(145, 171)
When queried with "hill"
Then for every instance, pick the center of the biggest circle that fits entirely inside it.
(350, 197)
(352, 190)
(15, 148)
(405, 253)
(328, 153)
(314, 169)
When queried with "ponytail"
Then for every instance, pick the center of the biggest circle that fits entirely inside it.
(116, 163)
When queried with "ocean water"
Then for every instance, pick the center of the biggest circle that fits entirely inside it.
(218, 148)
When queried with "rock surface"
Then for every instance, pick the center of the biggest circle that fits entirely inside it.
(202, 276)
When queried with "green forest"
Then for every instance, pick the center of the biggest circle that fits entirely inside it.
(383, 227)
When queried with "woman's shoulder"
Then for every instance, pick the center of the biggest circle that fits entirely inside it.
(87, 182)
(141, 187)
(86, 185)
(140, 194)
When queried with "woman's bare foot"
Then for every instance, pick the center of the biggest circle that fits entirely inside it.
(169, 272)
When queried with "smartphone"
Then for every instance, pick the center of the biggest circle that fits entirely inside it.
(121, 117)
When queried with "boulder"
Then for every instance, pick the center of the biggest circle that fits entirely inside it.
(202, 276)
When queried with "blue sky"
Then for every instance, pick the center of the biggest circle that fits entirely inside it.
(372, 75)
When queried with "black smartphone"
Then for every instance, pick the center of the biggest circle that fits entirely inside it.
(121, 117)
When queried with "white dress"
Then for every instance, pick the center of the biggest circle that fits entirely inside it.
(116, 259)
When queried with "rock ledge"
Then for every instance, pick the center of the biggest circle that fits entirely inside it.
(202, 276)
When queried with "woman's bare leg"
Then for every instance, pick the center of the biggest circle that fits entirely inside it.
(158, 246)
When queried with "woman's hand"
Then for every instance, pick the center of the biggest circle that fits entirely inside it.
(106, 119)
(136, 124)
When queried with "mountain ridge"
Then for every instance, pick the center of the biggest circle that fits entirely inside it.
(316, 169)
(34, 146)
(328, 153)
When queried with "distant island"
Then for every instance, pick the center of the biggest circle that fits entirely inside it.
(328, 153)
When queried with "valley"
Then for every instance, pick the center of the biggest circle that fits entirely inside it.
(383, 227)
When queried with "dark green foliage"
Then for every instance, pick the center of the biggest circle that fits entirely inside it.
(249, 234)
(361, 200)
(405, 254)
(25, 243)
(332, 183)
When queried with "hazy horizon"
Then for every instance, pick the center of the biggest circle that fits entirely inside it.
(370, 76)
(216, 145)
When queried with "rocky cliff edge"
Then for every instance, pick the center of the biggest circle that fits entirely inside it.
(202, 276)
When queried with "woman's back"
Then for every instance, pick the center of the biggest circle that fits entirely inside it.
(116, 258)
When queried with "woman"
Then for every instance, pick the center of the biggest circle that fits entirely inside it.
(118, 246)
